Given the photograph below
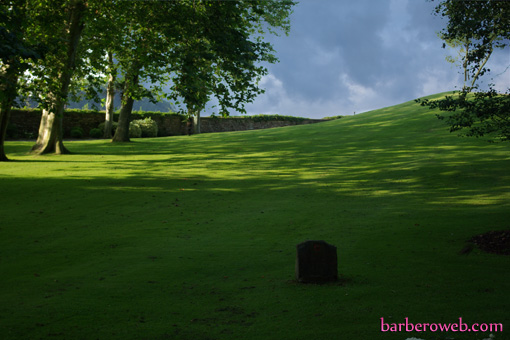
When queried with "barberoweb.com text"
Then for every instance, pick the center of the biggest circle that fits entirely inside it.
(459, 326)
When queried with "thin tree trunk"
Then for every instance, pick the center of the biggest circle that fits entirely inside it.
(50, 137)
(465, 65)
(475, 77)
(196, 124)
(110, 95)
(9, 75)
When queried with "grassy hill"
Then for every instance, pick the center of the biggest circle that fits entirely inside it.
(194, 237)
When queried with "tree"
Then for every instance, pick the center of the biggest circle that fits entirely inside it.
(212, 46)
(481, 26)
(192, 62)
(144, 54)
(57, 70)
(110, 96)
(482, 113)
(68, 66)
(220, 51)
(209, 48)
(100, 38)
(16, 48)
(463, 53)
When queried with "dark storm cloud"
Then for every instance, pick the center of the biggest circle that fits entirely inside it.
(328, 39)
(344, 56)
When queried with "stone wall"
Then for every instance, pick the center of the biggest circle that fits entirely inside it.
(209, 124)
(23, 124)
(26, 123)
(86, 121)
(168, 124)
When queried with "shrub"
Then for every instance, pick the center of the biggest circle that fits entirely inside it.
(96, 133)
(333, 118)
(270, 118)
(114, 127)
(135, 131)
(82, 111)
(149, 127)
(77, 132)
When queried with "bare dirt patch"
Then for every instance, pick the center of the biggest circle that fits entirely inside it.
(495, 241)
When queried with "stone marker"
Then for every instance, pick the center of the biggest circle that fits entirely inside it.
(316, 262)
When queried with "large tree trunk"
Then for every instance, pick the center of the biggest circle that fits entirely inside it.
(50, 130)
(122, 132)
(110, 95)
(8, 87)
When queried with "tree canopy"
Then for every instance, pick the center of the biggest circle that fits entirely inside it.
(22, 39)
(200, 48)
(221, 48)
(479, 27)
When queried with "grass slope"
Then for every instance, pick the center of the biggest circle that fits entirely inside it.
(194, 237)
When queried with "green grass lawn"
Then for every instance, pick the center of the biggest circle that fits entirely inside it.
(194, 237)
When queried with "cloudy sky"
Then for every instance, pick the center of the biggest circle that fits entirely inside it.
(345, 56)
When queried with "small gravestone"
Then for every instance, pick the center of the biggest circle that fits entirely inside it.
(316, 262)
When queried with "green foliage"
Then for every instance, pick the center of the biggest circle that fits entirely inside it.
(85, 111)
(18, 47)
(333, 117)
(77, 132)
(148, 126)
(60, 27)
(479, 27)
(135, 130)
(21, 40)
(224, 59)
(27, 109)
(114, 126)
(96, 133)
(478, 114)
(271, 118)
(145, 114)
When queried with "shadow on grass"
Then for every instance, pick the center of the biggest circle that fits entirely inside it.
(170, 230)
